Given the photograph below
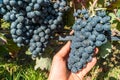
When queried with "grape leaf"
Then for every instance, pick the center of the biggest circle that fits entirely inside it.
(112, 17)
(118, 13)
(105, 50)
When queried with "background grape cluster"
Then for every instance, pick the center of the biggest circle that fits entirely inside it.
(89, 32)
(33, 21)
(109, 2)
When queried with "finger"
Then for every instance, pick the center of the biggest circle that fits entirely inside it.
(96, 50)
(88, 67)
(65, 50)
(71, 33)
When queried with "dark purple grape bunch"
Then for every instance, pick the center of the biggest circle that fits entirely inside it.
(61, 5)
(14, 12)
(33, 22)
(89, 32)
(21, 33)
(50, 22)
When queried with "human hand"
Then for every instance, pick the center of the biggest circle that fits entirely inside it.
(59, 69)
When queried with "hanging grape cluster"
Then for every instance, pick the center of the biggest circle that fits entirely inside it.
(33, 21)
(89, 32)
(109, 2)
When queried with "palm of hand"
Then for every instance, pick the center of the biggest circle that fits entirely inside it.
(59, 69)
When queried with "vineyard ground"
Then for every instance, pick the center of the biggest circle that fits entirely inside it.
(22, 68)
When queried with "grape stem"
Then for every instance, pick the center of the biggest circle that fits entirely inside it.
(75, 6)
(95, 2)
(83, 4)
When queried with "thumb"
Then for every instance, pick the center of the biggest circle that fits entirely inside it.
(65, 50)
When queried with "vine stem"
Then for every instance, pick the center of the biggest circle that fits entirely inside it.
(93, 6)
(83, 3)
(74, 4)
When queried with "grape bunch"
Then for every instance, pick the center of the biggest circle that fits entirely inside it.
(109, 2)
(89, 32)
(33, 22)
(14, 13)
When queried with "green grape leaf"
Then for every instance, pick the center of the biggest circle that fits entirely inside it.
(105, 50)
